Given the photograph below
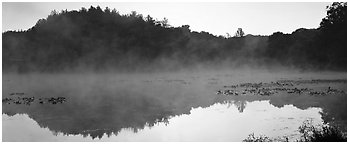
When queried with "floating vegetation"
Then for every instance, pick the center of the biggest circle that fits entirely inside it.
(16, 94)
(227, 92)
(232, 86)
(29, 100)
(251, 85)
(56, 100)
(285, 86)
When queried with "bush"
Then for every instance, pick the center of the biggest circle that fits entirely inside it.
(309, 133)
(260, 138)
(320, 133)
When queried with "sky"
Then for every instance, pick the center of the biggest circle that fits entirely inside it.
(217, 18)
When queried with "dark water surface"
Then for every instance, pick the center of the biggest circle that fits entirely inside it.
(162, 107)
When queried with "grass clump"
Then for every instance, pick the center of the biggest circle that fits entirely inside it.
(309, 133)
(260, 138)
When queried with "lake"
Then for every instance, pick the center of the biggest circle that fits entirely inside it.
(180, 106)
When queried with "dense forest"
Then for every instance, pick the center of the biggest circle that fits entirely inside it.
(99, 40)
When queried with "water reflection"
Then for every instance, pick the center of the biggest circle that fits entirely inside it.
(219, 122)
(106, 116)
(163, 108)
(241, 105)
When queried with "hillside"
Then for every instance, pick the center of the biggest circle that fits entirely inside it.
(98, 40)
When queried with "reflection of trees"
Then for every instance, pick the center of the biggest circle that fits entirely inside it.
(334, 106)
(240, 104)
(97, 115)
(335, 117)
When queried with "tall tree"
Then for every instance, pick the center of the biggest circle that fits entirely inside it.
(239, 33)
(334, 34)
(336, 16)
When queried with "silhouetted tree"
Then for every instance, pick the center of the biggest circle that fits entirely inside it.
(239, 33)
(334, 34)
(53, 13)
(149, 20)
(228, 35)
(336, 16)
(163, 23)
(99, 39)
(107, 10)
(83, 10)
(114, 11)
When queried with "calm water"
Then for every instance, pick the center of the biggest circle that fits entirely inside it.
(230, 121)
(161, 107)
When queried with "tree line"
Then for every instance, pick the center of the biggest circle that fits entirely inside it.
(97, 39)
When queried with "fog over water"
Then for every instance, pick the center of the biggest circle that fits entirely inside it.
(94, 74)
(130, 107)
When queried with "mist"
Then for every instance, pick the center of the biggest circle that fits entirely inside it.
(96, 73)
(99, 40)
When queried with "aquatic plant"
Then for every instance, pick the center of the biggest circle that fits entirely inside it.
(320, 133)
(309, 133)
(260, 138)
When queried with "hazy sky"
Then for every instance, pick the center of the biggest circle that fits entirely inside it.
(216, 18)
